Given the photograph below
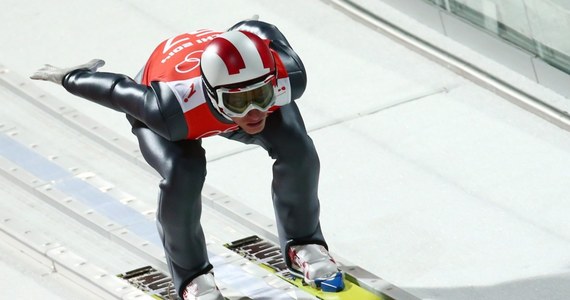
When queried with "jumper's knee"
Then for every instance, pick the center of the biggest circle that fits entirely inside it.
(181, 188)
(185, 173)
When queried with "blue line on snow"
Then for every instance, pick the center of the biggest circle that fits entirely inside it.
(80, 190)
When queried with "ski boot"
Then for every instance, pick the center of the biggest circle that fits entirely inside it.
(202, 287)
(314, 264)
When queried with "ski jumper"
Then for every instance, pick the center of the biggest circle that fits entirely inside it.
(170, 114)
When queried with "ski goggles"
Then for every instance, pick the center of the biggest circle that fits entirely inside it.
(237, 102)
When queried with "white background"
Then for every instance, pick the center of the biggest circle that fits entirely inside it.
(428, 181)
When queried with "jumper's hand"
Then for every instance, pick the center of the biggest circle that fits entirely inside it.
(56, 75)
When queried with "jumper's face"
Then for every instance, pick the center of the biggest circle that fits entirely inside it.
(253, 122)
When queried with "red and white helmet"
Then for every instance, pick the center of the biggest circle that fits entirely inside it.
(235, 59)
